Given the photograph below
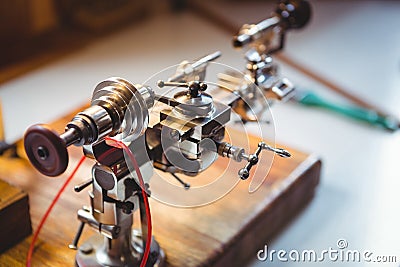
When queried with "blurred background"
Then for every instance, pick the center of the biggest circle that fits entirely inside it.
(52, 53)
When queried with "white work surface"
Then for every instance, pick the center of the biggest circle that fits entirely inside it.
(356, 45)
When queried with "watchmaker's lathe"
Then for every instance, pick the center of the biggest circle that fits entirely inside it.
(187, 134)
(182, 134)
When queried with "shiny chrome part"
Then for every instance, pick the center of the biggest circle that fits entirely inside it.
(282, 90)
(83, 185)
(70, 136)
(238, 154)
(127, 105)
(193, 103)
(261, 40)
(252, 159)
(195, 71)
(279, 151)
(110, 231)
(260, 85)
(250, 103)
(125, 251)
(250, 33)
(74, 244)
(229, 151)
(182, 136)
(117, 108)
(289, 14)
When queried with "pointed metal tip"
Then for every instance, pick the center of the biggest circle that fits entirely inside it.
(72, 246)
(283, 153)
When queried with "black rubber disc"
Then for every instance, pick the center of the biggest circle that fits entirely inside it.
(46, 150)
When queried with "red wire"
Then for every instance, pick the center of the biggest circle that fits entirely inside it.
(49, 209)
(120, 144)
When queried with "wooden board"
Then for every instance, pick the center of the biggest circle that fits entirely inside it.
(15, 223)
(227, 232)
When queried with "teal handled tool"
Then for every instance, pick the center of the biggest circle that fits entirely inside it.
(310, 98)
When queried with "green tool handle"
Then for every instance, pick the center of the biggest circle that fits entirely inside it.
(362, 114)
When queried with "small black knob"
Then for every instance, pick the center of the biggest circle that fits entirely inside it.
(46, 150)
(295, 14)
(195, 88)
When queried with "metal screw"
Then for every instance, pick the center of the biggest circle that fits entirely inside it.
(175, 135)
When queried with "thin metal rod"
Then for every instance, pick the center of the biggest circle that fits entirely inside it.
(74, 244)
(78, 188)
(185, 185)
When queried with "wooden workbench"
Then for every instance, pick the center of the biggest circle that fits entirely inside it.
(227, 232)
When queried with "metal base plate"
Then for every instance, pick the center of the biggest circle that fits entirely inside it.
(88, 253)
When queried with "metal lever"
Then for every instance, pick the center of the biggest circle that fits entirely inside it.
(252, 159)
(225, 149)
(186, 186)
(74, 244)
(186, 69)
(194, 87)
(78, 188)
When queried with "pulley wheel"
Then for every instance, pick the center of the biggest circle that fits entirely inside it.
(46, 150)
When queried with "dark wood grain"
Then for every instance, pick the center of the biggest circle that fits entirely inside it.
(227, 232)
